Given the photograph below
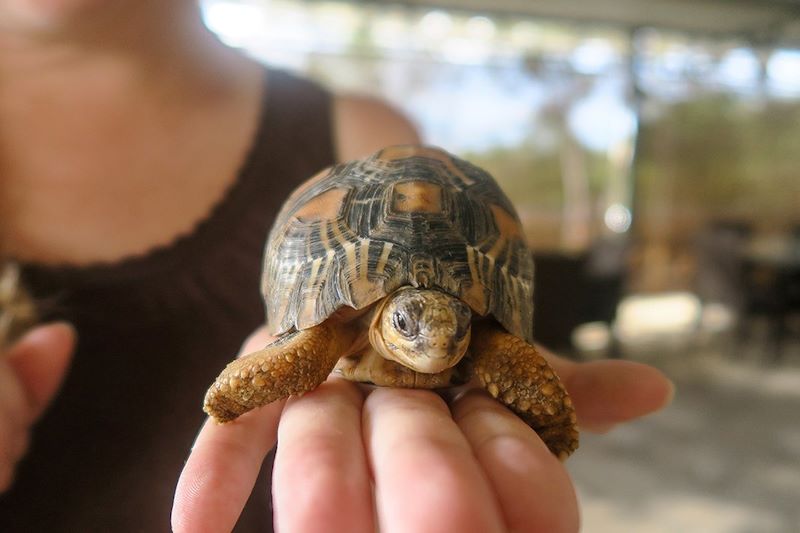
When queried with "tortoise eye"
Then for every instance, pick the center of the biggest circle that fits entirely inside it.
(402, 324)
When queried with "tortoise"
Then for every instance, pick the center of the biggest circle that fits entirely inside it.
(405, 269)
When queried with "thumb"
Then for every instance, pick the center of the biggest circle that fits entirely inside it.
(256, 341)
(40, 360)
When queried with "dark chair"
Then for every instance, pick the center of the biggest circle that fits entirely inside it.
(719, 250)
(570, 290)
(771, 289)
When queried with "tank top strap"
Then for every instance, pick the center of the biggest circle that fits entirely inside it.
(293, 143)
(295, 135)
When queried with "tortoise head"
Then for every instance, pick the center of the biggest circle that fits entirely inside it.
(425, 330)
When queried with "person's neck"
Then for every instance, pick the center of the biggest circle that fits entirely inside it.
(153, 46)
(87, 121)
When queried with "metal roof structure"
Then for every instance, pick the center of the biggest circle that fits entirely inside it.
(773, 23)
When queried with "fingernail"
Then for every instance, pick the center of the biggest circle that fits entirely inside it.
(602, 429)
(64, 324)
(40, 332)
(670, 393)
(66, 327)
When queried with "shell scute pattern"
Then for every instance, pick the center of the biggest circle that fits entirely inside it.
(404, 216)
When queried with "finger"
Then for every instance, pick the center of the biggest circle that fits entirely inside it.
(223, 465)
(426, 477)
(321, 474)
(15, 409)
(15, 417)
(257, 340)
(14, 441)
(13, 445)
(40, 360)
(532, 486)
(221, 471)
(6, 475)
(606, 393)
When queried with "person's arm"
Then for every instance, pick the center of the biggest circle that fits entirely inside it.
(363, 125)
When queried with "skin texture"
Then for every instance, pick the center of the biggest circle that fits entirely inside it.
(299, 362)
(417, 336)
(425, 330)
(486, 469)
(293, 364)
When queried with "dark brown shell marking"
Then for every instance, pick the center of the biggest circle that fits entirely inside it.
(407, 215)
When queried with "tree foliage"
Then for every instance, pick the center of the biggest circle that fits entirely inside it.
(721, 156)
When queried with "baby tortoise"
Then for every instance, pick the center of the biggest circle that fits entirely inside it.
(405, 269)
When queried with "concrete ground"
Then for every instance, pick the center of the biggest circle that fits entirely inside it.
(723, 458)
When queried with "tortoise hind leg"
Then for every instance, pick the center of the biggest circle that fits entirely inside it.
(293, 364)
(517, 375)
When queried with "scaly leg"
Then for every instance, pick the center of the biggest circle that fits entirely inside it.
(517, 375)
(293, 364)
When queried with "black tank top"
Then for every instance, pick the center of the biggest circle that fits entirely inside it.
(154, 332)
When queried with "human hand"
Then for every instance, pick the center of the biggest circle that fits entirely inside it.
(402, 460)
(30, 373)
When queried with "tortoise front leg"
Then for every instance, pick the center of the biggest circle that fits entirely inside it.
(293, 364)
(517, 375)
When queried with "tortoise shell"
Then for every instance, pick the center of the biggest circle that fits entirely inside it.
(407, 215)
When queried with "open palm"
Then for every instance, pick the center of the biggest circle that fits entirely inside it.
(403, 460)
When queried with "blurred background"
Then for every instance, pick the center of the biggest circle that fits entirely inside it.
(652, 148)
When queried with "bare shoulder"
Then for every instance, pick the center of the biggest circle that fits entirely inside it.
(363, 124)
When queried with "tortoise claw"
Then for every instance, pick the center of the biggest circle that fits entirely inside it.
(293, 364)
(517, 375)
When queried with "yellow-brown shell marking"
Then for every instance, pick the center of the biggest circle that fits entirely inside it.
(416, 197)
(407, 215)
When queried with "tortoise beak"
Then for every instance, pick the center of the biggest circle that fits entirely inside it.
(438, 354)
(440, 347)
(432, 365)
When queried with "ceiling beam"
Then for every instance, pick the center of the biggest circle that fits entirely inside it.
(774, 21)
